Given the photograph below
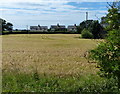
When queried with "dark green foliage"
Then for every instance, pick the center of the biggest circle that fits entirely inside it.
(3, 24)
(6, 25)
(79, 29)
(97, 30)
(84, 25)
(94, 27)
(0, 27)
(86, 34)
(9, 26)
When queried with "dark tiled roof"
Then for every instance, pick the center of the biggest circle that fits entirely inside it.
(62, 26)
(71, 26)
(57, 26)
(38, 27)
(54, 26)
(33, 27)
(43, 27)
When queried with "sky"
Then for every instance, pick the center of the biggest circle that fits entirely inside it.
(50, 12)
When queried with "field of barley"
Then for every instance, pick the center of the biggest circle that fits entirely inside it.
(57, 54)
(50, 55)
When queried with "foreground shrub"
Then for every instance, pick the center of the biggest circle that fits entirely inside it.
(86, 34)
(107, 55)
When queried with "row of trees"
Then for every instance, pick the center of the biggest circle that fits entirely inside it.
(6, 25)
(107, 54)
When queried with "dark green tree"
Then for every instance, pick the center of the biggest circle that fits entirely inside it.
(94, 27)
(84, 25)
(5, 26)
(9, 26)
(0, 27)
(86, 34)
(97, 30)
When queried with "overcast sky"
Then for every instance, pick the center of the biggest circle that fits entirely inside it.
(50, 12)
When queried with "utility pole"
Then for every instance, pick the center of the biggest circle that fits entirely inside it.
(27, 29)
(86, 16)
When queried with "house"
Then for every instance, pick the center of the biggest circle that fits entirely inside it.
(72, 28)
(57, 27)
(53, 27)
(44, 28)
(39, 28)
(34, 28)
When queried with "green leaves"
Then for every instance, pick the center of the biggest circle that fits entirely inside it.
(113, 18)
(93, 28)
(107, 54)
(87, 34)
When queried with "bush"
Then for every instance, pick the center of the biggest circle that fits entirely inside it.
(107, 55)
(86, 34)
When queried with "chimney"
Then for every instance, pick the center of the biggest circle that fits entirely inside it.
(75, 25)
(38, 25)
(58, 25)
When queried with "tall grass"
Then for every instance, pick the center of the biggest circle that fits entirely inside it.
(15, 82)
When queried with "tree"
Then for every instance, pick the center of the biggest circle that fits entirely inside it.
(97, 30)
(113, 16)
(9, 26)
(107, 54)
(94, 27)
(84, 25)
(6, 26)
(3, 24)
(86, 34)
(0, 27)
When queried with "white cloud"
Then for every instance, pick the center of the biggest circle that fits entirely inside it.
(46, 12)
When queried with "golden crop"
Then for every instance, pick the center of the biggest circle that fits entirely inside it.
(50, 54)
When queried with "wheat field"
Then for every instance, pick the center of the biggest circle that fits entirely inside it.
(49, 54)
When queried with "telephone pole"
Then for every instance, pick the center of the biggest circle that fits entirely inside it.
(86, 16)
(27, 29)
